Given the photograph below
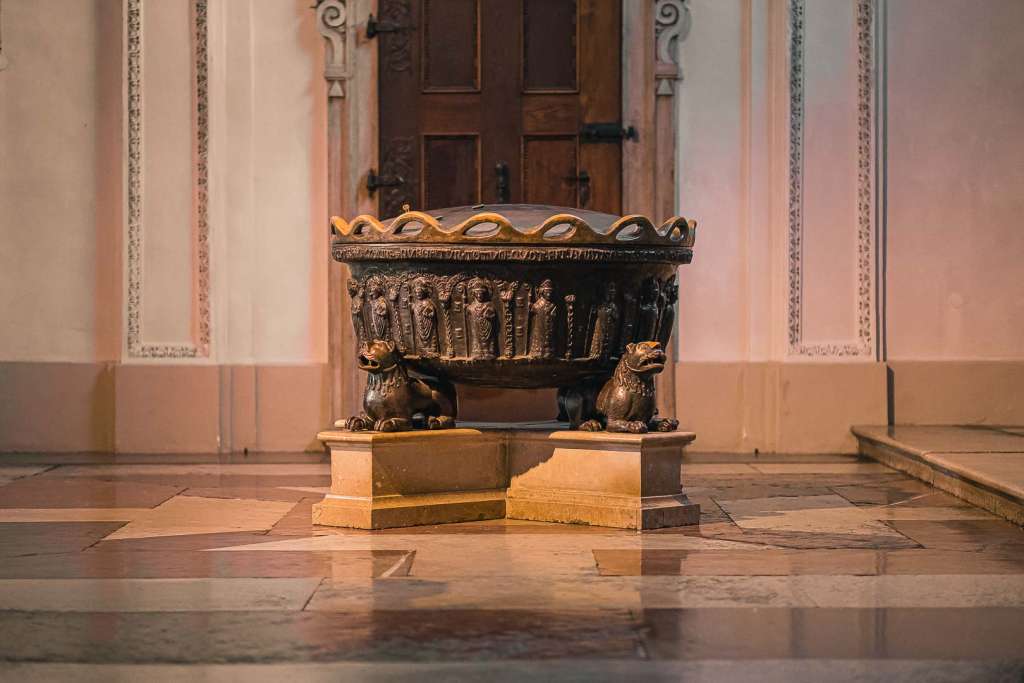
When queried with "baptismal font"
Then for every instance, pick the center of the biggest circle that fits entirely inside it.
(510, 296)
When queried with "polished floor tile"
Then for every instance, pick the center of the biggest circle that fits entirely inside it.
(580, 670)
(44, 491)
(46, 538)
(156, 595)
(186, 515)
(71, 514)
(831, 514)
(179, 564)
(269, 636)
(804, 568)
(961, 534)
(773, 562)
(902, 633)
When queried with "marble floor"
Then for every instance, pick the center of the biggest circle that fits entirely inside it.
(806, 568)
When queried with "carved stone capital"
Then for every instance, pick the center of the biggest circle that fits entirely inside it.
(671, 26)
(332, 23)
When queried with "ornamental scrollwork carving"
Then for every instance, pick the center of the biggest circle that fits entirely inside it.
(671, 26)
(332, 23)
(397, 46)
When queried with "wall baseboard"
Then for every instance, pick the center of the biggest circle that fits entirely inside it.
(733, 407)
(157, 408)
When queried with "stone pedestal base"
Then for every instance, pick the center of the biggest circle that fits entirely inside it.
(628, 481)
(412, 478)
(403, 479)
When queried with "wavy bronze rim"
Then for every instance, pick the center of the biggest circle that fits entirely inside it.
(417, 227)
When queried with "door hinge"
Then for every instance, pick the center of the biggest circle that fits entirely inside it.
(374, 181)
(606, 132)
(373, 27)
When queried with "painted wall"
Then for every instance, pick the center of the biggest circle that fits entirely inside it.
(59, 182)
(757, 371)
(258, 129)
(956, 180)
(942, 338)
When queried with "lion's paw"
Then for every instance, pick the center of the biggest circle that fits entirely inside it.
(358, 423)
(664, 425)
(440, 422)
(590, 426)
(636, 427)
(392, 424)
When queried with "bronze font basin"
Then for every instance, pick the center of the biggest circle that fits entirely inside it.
(507, 295)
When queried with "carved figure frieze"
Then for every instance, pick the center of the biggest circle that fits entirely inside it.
(475, 315)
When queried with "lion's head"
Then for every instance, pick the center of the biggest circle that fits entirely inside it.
(644, 358)
(380, 356)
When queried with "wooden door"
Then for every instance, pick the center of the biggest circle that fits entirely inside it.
(496, 101)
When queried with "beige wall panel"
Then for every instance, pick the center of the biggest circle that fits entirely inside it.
(167, 255)
(289, 282)
(709, 401)
(829, 264)
(955, 248)
(710, 99)
(48, 181)
(958, 392)
(291, 407)
(779, 407)
(167, 409)
(56, 407)
(818, 403)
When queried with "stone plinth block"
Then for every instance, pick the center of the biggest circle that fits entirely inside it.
(629, 481)
(399, 479)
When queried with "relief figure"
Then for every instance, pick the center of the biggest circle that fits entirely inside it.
(606, 325)
(483, 327)
(647, 323)
(668, 313)
(380, 318)
(355, 293)
(424, 316)
(543, 313)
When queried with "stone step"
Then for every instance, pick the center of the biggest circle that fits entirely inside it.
(984, 465)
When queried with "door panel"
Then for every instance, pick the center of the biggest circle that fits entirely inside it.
(450, 45)
(450, 170)
(468, 84)
(549, 45)
(549, 164)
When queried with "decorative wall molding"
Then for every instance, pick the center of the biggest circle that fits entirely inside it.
(864, 344)
(332, 23)
(3, 59)
(671, 26)
(136, 346)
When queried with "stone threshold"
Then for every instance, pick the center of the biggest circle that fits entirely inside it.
(983, 465)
